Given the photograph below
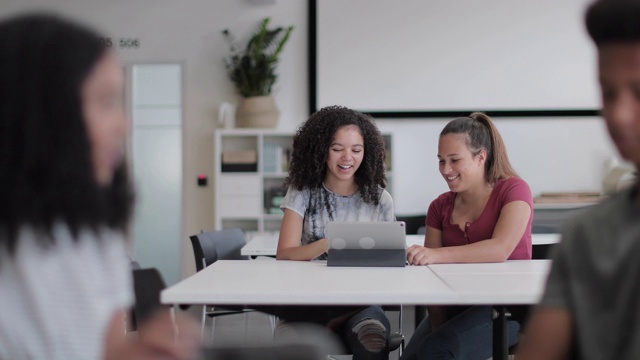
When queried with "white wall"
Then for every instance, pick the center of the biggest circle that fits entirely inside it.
(451, 55)
(551, 154)
(188, 32)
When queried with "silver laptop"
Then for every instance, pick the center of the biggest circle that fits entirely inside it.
(380, 243)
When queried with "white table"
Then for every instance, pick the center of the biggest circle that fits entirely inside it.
(516, 282)
(266, 245)
(313, 283)
(308, 283)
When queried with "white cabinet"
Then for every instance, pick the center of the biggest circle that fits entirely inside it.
(250, 168)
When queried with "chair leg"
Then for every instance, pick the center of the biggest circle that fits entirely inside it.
(246, 325)
(401, 348)
(213, 328)
(204, 320)
(176, 330)
(273, 320)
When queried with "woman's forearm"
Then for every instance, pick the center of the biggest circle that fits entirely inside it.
(304, 252)
(490, 250)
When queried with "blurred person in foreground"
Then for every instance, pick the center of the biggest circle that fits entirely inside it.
(590, 309)
(65, 281)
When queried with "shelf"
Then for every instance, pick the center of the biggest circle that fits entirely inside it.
(280, 175)
(241, 197)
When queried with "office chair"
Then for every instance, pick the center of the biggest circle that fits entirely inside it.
(147, 285)
(209, 247)
(396, 339)
(131, 323)
(413, 223)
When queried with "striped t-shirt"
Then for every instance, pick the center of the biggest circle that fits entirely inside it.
(56, 302)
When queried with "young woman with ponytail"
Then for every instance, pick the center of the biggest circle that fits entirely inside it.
(486, 217)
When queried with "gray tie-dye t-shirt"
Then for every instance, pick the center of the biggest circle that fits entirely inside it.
(322, 205)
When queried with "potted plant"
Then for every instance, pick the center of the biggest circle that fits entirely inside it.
(253, 72)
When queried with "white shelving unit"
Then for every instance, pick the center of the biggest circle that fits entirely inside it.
(243, 190)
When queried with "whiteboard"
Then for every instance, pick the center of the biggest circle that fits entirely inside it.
(451, 55)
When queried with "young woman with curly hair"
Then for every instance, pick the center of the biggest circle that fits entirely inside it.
(337, 173)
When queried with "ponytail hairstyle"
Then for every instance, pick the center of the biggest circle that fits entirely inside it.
(482, 134)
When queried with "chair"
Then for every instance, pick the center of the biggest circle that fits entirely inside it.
(131, 323)
(209, 247)
(396, 339)
(413, 223)
(147, 285)
(521, 313)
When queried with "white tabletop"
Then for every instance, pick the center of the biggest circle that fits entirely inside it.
(307, 283)
(266, 245)
(314, 283)
(512, 282)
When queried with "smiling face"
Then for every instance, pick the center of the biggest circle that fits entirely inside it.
(619, 67)
(459, 167)
(103, 110)
(345, 155)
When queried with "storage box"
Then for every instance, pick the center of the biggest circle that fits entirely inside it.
(240, 157)
(239, 161)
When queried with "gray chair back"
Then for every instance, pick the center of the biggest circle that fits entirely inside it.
(147, 285)
(211, 246)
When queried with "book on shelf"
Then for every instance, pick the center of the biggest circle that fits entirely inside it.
(286, 159)
(275, 158)
(271, 160)
(387, 159)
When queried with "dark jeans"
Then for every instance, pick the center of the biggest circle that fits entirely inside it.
(351, 337)
(468, 335)
(357, 322)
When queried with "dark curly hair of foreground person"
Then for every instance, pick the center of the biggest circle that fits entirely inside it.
(311, 144)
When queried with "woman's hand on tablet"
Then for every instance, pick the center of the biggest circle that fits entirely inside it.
(420, 255)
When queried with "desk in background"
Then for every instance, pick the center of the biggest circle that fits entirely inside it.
(266, 245)
(550, 217)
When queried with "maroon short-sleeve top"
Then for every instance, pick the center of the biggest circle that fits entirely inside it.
(504, 192)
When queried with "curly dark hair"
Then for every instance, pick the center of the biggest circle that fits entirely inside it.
(311, 150)
(46, 171)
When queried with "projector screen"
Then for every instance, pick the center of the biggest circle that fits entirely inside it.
(427, 56)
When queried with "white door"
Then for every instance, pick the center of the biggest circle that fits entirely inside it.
(156, 112)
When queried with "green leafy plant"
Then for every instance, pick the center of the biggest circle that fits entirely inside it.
(253, 71)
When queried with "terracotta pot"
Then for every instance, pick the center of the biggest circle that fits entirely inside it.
(257, 112)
